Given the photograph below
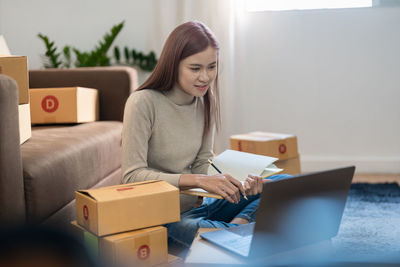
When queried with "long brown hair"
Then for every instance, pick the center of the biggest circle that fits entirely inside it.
(187, 39)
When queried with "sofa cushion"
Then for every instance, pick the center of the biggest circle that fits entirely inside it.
(58, 160)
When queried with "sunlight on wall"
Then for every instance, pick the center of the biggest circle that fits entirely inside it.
(280, 5)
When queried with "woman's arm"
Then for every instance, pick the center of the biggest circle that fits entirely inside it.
(136, 133)
(222, 184)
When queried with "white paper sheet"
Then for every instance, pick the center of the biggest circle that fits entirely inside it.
(240, 164)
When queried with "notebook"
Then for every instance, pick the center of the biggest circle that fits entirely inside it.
(239, 165)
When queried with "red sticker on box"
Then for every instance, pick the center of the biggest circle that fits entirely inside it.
(143, 252)
(282, 148)
(85, 212)
(50, 103)
(240, 146)
(125, 188)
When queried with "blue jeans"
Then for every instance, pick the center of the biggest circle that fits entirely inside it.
(213, 213)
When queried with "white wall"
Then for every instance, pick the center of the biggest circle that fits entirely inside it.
(1, 17)
(331, 77)
(80, 23)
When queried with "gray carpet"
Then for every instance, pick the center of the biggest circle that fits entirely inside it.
(371, 222)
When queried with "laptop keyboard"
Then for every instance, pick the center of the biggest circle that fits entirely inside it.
(242, 230)
(241, 244)
(236, 239)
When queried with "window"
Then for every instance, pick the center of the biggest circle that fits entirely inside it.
(280, 5)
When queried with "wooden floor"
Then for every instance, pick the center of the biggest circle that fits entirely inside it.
(376, 178)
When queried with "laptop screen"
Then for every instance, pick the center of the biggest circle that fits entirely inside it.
(301, 210)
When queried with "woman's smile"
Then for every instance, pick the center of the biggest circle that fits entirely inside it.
(202, 87)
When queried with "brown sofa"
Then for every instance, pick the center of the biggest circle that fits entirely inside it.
(38, 178)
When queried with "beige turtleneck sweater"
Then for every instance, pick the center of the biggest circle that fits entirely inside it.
(162, 138)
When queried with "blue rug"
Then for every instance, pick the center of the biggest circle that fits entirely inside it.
(371, 222)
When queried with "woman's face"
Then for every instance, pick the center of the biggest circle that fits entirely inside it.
(197, 72)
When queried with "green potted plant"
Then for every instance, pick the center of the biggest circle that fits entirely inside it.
(144, 63)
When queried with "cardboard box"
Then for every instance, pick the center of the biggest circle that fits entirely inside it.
(3, 46)
(24, 117)
(17, 68)
(120, 208)
(63, 105)
(289, 166)
(144, 247)
(281, 146)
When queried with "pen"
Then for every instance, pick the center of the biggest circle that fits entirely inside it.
(216, 168)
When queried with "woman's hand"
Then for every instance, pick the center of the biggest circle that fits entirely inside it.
(254, 184)
(224, 185)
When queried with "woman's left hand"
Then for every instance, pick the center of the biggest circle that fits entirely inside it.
(253, 185)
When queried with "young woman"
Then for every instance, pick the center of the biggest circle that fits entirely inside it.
(168, 134)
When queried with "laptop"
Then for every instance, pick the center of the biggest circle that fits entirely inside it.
(294, 212)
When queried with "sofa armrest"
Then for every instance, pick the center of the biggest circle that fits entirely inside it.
(12, 200)
(114, 84)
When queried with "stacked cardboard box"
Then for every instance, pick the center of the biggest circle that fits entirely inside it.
(17, 68)
(281, 146)
(122, 224)
(64, 105)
